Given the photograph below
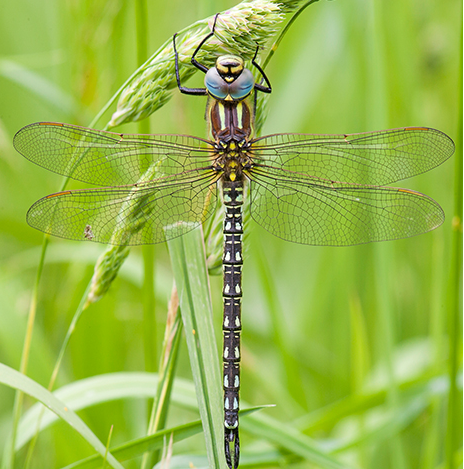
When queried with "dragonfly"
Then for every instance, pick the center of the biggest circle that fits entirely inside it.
(326, 190)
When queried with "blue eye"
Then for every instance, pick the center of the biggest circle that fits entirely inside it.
(243, 85)
(215, 84)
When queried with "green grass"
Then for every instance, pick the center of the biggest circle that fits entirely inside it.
(352, 348)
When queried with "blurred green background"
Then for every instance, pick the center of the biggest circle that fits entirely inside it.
(321, 325)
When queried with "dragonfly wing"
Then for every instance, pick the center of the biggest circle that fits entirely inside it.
(374, 158)
(128, 215)
(107, 158)
(311, 211)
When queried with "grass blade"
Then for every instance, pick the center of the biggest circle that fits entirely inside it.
(135, 448)
(17, 380)
(454, 305)
(188, 262)
(292, 440)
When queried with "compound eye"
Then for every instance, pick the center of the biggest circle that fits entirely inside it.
(215, 84)
(242, 86)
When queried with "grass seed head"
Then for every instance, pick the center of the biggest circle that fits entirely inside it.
(238, 30)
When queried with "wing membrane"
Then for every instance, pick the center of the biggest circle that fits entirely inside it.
(107, 158)
(139, 214)
(317, 212)
(310, 189)
(374, 158)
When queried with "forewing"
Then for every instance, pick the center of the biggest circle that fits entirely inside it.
(139, 214)
(375, 158)
(311, 211)
(107, 158)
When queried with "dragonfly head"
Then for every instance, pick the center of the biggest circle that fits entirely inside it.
(229, 80)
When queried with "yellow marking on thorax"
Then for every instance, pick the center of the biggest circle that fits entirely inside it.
(232, 165)
(240, 113)
(222, 115)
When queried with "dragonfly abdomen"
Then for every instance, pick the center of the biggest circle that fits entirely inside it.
(232, 298)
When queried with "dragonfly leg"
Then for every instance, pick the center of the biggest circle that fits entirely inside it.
(258, 86)
(197, 64)
(203, 68)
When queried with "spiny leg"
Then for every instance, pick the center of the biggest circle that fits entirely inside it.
(259, 86)
(203, 68)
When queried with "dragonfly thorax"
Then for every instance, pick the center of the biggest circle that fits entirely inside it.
(229, 80)
(230, 122)
(232, 160)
